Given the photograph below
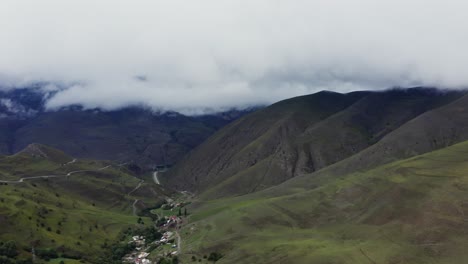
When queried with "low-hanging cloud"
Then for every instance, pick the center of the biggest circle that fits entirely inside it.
(198, 56)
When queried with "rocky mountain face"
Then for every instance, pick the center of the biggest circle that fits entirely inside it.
(306, 134)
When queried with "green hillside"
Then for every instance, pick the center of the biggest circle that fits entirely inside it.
(409, 211)
(254, 139)
(80, 209)
(305, 134)
(364, 177)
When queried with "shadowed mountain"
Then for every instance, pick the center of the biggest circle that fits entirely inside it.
(130, 134)
(435, 129)
(252, 140)
(299, 136)
(382, 181)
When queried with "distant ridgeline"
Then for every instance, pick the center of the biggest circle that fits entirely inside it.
(132, 134)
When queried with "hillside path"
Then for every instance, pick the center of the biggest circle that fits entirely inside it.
(53, 176)
(179, 242)
(155, 178)
(137, 187)
(71, 162)
(134, 209)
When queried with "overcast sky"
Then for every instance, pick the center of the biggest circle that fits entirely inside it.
(191, 56)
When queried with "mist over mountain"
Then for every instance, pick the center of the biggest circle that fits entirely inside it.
(233, 131)
(211, 57)
(135, 134)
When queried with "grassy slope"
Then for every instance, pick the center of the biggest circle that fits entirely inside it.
(91, 207)
(409, 211)
(435, 129)
(296, 137)
(254, 138)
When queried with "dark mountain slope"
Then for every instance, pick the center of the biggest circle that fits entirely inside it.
(363, 124)
(252, 140)
(430, 131)
(130, 134)
(293, 146)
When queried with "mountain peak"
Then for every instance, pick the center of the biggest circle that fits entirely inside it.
(37, 150)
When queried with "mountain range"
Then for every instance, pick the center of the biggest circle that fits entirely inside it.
(305, 134)
(363, 177)
(137, 134)
(360, 177)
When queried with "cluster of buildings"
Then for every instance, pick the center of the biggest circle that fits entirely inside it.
(138, 256)
(142, 258)
(172, 221)
(166, 237)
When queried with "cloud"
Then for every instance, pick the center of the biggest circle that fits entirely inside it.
(9, 107)
(197, 56)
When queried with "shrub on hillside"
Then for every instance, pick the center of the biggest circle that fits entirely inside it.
(8, 249)
(215, 256)
(47, 254)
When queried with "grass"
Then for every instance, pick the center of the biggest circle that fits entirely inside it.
(65, 260)
(75, 215)
(409, 211)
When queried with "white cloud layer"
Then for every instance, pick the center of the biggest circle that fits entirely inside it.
(197, 55)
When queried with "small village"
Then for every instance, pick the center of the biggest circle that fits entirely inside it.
(167, 246)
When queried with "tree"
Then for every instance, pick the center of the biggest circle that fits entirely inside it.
(185, 211)
(180, 212)
(215, 256)
(8, 249)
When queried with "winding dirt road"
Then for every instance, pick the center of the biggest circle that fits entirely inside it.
(71, 162)
(179, 242)
(52, 175)
(137, 187)
(134, 209)
(155, 178)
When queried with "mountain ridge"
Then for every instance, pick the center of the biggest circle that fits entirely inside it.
(131, 134)
(293, 145)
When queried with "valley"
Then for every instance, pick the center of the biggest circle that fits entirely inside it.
(364, 177)
(71, 208)
(234, 132)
